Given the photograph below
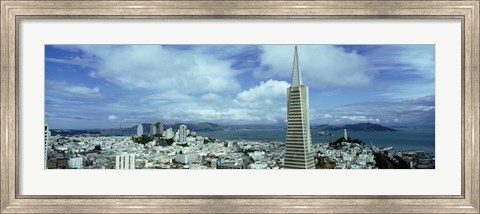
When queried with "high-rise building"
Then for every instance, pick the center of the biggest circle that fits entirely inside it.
(169, 133)
(345, 134)
(159, 126)
(139, 130)
(125, 161)
(182, 133)
(46, 144)
(298, 148)
(153, 129)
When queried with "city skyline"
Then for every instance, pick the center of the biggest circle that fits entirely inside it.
(112, 85)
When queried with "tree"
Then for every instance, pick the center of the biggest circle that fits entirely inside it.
(402, 163)
(144, 139)
(382, 162)
(323, 164)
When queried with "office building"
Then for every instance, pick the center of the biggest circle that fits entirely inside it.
(182, 133)
(125, 161)
(298, 149)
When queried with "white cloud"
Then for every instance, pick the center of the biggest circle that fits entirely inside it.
(92, 74)
(159, 68)
(418, 60)
(82, 90)
(356, 118)
(321, 65)
(271, 89)
(67, 89)
(211, 97)
(408, 90)
(112, 117)
(83, 62)
(419, 111)
(262, 104)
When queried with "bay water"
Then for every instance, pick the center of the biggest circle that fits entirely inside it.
(402, 139)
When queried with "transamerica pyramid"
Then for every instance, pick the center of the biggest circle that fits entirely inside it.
(298, 148)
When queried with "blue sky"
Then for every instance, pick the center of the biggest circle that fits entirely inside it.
(105, 86)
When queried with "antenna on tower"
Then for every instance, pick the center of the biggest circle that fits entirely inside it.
(296, 74)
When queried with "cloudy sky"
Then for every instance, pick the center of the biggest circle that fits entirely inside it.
(105, 86)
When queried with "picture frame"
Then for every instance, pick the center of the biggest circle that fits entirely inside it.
(12, 12)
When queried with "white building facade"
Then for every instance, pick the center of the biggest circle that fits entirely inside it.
(169, 133)
(139, 130)
(298, 149)
(75, 163)
(125, 161)
(153, 130)
(159, 127)
(182, 133)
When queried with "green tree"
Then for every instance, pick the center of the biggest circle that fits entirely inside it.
(144, 139)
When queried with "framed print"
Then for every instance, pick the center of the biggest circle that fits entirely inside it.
(239, 106)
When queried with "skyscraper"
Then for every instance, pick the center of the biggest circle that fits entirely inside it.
(139, 130)
(159, 126)
(298, 149)
(182, 133)
(153, 129)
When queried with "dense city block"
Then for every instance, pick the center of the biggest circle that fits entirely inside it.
(166, 151)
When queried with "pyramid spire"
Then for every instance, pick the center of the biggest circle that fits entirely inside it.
(296, 76)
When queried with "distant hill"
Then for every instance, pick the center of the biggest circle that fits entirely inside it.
(70, 132)
(355, 127)
(206, 127)
(255, 126)
(198, 127)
